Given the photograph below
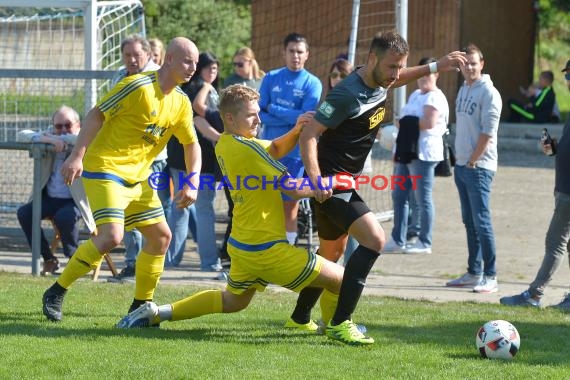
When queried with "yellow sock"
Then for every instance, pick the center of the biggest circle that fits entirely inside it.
(201, 303)
(147, 273)
(85, 259)
(328, 305)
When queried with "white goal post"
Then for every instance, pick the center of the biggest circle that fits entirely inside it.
(69, 35)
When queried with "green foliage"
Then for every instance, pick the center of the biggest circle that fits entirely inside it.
(414, 339)
(219, 26)
(553, 47)
(39, 105)
(554, 19)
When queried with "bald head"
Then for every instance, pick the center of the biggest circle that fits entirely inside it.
(180, 61)
(181, 45)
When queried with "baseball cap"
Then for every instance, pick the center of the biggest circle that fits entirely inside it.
(567, 67)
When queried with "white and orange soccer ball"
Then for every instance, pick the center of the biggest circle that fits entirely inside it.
(498, 340)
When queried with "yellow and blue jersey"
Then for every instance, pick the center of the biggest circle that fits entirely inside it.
(139, 121)
(252, 176)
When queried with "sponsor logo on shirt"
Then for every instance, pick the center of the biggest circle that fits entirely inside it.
(298, 93)
(326, 109)
(377, 117)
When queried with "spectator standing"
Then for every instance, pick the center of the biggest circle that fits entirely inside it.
(246, 69)
(286, 93)
(429, 105)
(477, 109)
(65, 205)
(157, 50)
(557, 239)
(137, 58)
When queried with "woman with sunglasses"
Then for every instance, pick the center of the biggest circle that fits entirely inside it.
(246, 70)
(338, 71)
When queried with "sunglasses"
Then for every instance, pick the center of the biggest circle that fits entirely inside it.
(336, 75)
(238, 64)
(567, 76)
(65, 125)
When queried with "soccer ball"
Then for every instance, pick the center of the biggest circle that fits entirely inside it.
(388, 136)
(498, 340)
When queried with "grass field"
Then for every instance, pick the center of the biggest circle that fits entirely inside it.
(414, 340)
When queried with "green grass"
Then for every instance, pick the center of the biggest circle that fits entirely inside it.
(414, 340)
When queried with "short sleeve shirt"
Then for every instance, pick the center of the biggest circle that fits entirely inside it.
(352, 113)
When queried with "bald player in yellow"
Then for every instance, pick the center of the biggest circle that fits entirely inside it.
(257, 245)
(120, 138)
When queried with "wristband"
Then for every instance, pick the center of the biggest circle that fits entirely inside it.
(432, 67)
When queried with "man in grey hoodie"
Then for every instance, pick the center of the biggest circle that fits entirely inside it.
(478, 110)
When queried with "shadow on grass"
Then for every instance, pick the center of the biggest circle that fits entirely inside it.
(254, 333)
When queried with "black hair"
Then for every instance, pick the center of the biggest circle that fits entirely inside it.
(295, 37)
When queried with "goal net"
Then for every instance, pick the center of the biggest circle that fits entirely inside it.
(46, 48)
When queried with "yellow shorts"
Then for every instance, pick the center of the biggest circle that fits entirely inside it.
(282, 264)
(111, 202)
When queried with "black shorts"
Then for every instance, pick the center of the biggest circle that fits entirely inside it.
(336, 214)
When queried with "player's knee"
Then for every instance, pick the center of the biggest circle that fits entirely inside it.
(108, 240)
(232, 303)
(164, 240)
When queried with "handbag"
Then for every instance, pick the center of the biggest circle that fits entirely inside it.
(443, 169)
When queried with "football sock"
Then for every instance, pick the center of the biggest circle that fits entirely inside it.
(353, 282)
(307, 299)
(328, 305)
(201, 303)
(136, 304)
(58, 289)
(164, 313)
(147, 273)
(86, 258)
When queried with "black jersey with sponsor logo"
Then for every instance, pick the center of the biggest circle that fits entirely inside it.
(352, 113)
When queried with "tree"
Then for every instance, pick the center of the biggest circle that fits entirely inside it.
(218, 26)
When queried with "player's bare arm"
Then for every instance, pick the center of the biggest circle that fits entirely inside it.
(449, 62)
(308, 144)
(282, 145)
(73, 165)
(206, 129)
(193, 158)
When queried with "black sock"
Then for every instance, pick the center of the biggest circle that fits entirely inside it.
(308, 297)
(353, 282)
(58, 289)
(136, 304)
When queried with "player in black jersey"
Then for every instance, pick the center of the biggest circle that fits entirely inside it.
(338, 140)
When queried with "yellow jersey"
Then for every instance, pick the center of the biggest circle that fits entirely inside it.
(139, 121)
(252, 177)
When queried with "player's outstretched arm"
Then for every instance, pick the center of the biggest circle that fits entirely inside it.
(283, 144)
(449, 62)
